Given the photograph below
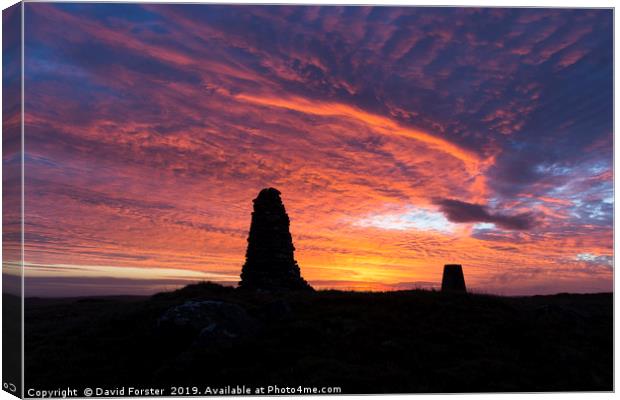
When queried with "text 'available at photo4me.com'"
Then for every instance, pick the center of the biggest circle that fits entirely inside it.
(131, 391)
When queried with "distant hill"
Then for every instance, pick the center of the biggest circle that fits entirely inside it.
(392, 342)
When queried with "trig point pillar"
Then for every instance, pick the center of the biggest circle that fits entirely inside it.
(453, 279)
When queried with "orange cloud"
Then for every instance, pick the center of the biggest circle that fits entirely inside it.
(384, 125)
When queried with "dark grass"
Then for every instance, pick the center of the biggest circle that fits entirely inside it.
(393, 342)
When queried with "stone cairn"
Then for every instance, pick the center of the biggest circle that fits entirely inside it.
(269, 261)
(453, 279)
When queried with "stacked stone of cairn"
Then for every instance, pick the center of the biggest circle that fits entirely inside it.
(453, 279)
(269, 262)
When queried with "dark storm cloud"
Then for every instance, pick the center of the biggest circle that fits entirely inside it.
(460, 211)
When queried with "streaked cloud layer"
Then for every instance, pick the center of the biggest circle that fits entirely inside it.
(401, 139)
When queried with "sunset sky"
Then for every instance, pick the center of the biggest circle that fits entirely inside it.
(401, 139)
